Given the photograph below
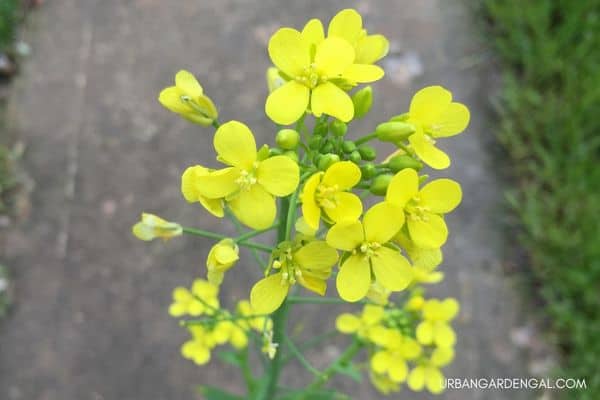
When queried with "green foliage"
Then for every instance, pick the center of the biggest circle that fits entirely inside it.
(550, 129)
(9, 15)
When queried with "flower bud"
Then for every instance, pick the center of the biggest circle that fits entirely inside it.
(292, 155)
(348, 146)
(321, 129)
(398, 163)
(338, 128)
(287, 139)
(327, 148)
(355, 157)
(327, 160)
(274, 151)
(315, 142)
(394, 131)
(362, 100)
(368, 170)
(151, 227)
(221, 257)
(400, 117)
(380, 184)
(367, 153)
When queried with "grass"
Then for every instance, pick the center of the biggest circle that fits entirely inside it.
(9, 17)
(550, 128)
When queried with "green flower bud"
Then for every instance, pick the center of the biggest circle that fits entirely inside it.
(368, 170)
(327, 160)
(367, 153)
(321, 129)
(400, 117)
(291, 154)
(362, 100)
(394, 131)
(380, 184)
(398, 163)
(355, 157)
(274, 151)
(263, 153)
(327, 148)
(315, 142)
(348, 146)
(287, 139)
(338, 128)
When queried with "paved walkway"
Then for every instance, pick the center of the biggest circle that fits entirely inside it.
(90, 320)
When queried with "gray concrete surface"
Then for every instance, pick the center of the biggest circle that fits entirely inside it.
(90, 320)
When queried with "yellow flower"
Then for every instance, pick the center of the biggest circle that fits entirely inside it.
(428, 373)
(327, 191)
(366, 243)
(258, 324)
(198, 348)
(435, 327)
(191, 192)
(201, 299)
(152, 227)
(310, 266)
(347, 25)
(423, 208)
(392, 360)
(363, 326)
(434, 115)
(424, 261)
(187, 99)
(221, 257)
(249, 185)
(383, 383)
(274, 79)
(378, 293)
(314, 74)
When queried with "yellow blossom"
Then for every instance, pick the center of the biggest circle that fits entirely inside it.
(435, 327)
(392, 359)
(383, 383)
(327, 191)
(191, 192)
(366, 243)
(314, 75)
(364, 325)
(198, 348)
(424, 208)
(378, 294)
(151, 227)
(201, 299)
(261, 323)
(187, 99)
(221, 257)
(249, 185)
(309, 265)
(428, 373)
(435, 115)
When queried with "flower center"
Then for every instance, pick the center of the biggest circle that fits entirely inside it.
(368, 249)
(325, 196)
(290, 272)
(310, 77)
(246, 179)
(416, 211)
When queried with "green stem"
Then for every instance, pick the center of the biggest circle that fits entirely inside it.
(305, 363)
(246, 372)
(366, 138)
(254, 233)
(312, 342)
(213, 235)
(342, 360)
(233, 318)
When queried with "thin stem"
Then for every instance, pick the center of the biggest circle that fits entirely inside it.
(245, 368)
(341, 361)
(321, 300)
(213, 235)
(366, 138)
(312, 342)
(296, 352)
(254, 233)
(233, 318)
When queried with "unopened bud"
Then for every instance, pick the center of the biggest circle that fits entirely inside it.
(287, 139)
(401, 162)
(367, 153)
(368, 170)
(362, 100)
(355, 157)
(326, 161)
(348, 146)
(380, 184)
(292, 155)
(394, 131)
(338, 128)
(400, 117)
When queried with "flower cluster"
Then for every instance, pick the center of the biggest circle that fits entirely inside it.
(311, 186)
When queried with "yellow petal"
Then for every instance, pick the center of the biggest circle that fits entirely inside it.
(213, 206)
(428, 103)
(441, 195)
(391, 270)
(185, 81)
(333, 57)
(254, 207)
(346, 24)
(403, 187)
(235, 144)
(442, 356)
(170, 98)
(424, 332)
(427, 151)
(371, 48)
(143, 232)
(287, 103)
(398, 371)
(267, 294)
(430, 234)
(316, 285)
(280, 175)
(289, 52)
(329, 99)
(219, 183)
(444, 336)
(348, 207)
(310, 209)
(189, 182)
(313, 32)
(354, 278)
(316, 255)
(347, 323)
(380, 362)
(451, 121)
(416, 379)
(450, 308)
(363, 73)
(344, 174)
(434, 380)
(382, 222)
(372, 314)
(345, 235)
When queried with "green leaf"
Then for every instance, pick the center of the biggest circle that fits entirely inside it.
(213, 393)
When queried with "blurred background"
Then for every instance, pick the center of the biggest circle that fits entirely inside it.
(86, 147)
